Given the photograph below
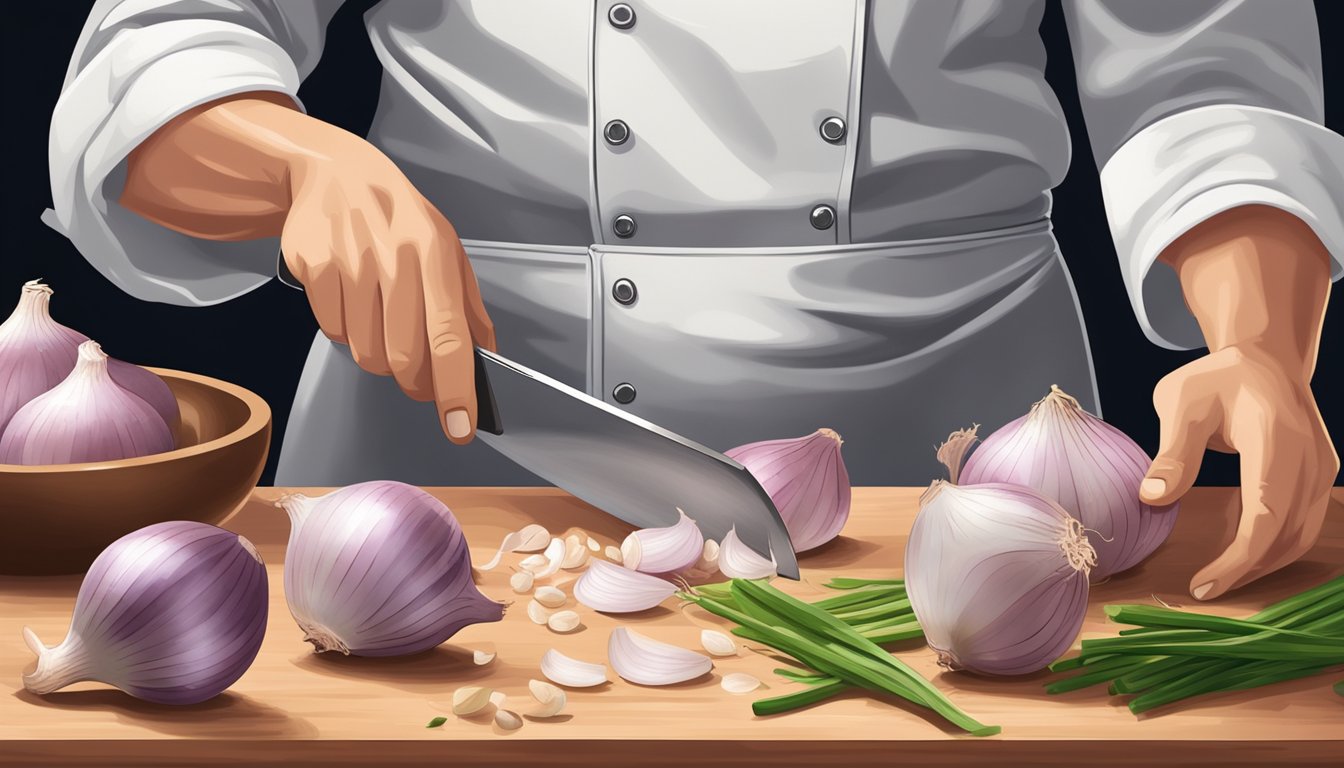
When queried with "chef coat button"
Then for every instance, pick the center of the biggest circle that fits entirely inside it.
(624, 225)
(621, 16)
(823, 216)
(624, 292)
(833, 130)
(624, 393)
(616, 132)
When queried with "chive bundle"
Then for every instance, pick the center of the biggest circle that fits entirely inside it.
(836, 639)
(1172, 655)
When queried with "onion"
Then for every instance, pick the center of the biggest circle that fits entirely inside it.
(173, 613)
(379, 569)
(1091, 468)
(37, 353)
(997, 576)
(87, 417)
(806, 479)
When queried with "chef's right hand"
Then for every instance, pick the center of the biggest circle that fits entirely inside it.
(386, 275)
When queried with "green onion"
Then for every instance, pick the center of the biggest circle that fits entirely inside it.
(839, 583)
(1173, 655)
(828, 645)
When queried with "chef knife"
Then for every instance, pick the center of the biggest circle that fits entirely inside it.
(624, 465)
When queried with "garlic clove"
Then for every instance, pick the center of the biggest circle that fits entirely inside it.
(521, 582)
(563, 621)
(537, 612)
(717, 643)
(533, 563)
(555, 556)
(507, 720)
(645, 661)
(739, 682)
(738, 561)
(510, 541)
(611, 588)
(550, 699)
(709, 557)
(672, 549)
(614, 555)
(551, 597)
(576, 553)
(561, 669)
(470, 699)
(481, 658)
(593, 545)
(498, 698)
(806, 479)
(534, 538)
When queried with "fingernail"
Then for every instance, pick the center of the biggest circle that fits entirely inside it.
(458, 423)
(1153, 488)
(1202, 590)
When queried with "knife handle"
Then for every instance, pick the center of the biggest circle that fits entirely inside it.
(487, 412)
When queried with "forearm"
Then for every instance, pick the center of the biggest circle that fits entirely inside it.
(1256, 276)
(222, 171)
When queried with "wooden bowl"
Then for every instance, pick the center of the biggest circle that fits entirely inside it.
(58, 518)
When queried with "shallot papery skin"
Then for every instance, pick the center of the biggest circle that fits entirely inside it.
(1091, 468)
(173, 613)
(379, 569)
(37, 353)
(997, 577)
(806, 479)
(87, 417)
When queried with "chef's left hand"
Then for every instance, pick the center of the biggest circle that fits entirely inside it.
(1257, 280)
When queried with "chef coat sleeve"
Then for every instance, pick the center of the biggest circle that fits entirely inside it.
(136, 66)
(1196, 107)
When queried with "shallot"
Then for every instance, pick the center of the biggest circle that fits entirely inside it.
(806, 479)
(997, 576)
(672, 549)
(1091, 468)
(379, 569)
(643, 660)
(37, 353)
(87, 417)
(611, 588)
(739, 561)
(172, 613)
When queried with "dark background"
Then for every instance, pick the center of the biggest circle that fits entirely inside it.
(260, 340)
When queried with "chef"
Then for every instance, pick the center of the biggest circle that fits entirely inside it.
(738, 220)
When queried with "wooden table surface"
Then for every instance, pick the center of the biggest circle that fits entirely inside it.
(299, 708)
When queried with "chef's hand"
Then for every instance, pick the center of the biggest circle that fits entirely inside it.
(1257, 280)
(383, 270)
(385, 274)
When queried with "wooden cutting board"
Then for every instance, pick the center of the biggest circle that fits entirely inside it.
(298, 708)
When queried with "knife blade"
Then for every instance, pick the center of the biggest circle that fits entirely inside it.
(624, 465)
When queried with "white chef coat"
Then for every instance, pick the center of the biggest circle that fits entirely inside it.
(810, 199)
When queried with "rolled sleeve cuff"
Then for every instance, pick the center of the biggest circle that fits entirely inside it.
(1193, 165)
(141, 80)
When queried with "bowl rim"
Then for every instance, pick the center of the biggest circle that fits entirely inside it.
(258, 418)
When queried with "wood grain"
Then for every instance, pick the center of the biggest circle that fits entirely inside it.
(300, 708)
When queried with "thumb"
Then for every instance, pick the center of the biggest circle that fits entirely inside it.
(1184, 436)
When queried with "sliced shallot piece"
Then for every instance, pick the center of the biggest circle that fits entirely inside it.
(561, 669)
(738, 561)
(509, 544)
(664, 550)
(611, 588)
(643, 660)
